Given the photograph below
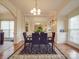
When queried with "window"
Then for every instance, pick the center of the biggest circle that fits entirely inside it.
(74, 29)
(8, 28)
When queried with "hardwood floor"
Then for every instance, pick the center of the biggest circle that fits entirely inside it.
(6, 46)
(9, 48)
(4, 50)
(68, 51)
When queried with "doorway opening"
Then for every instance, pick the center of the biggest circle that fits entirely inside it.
(8, 29)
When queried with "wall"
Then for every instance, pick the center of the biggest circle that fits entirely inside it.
(19, 26)
(61, 36)
(33, 20)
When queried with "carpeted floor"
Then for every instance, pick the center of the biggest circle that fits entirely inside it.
(38, 49)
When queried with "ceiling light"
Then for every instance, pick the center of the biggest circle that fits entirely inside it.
(35, 11)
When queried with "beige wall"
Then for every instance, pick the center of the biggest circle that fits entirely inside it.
(61, 36)
(33, 20)
(19, 26)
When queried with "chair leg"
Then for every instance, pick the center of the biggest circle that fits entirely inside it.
(39, 48)
(47, 49)
(24, 45)
(31, 49)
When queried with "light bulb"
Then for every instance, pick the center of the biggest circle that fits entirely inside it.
(31, 11)
(34, 9)
(38, 13)
(34, 13)
(38, 10)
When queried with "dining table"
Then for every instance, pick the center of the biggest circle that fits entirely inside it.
(29, 38)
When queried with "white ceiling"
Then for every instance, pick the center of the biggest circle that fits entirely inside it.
(72, 5)
(48, 7)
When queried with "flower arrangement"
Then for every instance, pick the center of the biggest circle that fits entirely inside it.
(39, 29)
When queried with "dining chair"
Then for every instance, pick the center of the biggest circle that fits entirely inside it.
(35, 42)
(53, 38)
(43, 42)
(25, 39)
(43, 38)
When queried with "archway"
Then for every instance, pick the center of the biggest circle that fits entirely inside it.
(7, 21)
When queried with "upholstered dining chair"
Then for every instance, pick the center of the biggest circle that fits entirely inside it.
(43, 43)
(35, 42)
(35, 38)
(43, 38)
(25, 38)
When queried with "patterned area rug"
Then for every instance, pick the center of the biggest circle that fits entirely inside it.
(38, 49)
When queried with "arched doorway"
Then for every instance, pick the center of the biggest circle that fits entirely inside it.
(7, 22)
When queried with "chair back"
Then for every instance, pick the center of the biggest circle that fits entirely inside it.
(43, 38)
(53, 37)
(35, 38)
(25, 36)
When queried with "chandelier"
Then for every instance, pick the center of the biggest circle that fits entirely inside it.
(35, 10)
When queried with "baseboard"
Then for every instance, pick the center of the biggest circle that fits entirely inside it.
(75, 46)
(19, 44)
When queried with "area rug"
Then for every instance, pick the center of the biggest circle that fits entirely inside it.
(38, 49)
